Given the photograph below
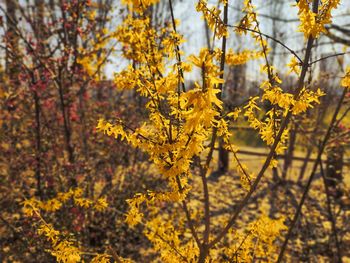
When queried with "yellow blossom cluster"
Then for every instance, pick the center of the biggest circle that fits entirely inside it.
(249, 20)
(257, 241)
(30, 206)
(249, 23)
(311, 23)
(183, 130)
(345, 82)
(132, 33)
(212, 17)
(234, 59)
(268, 128)
(63, 248)
(139, 5)
(166, 238)
(276, 96)
(294, 66)
(92, 59)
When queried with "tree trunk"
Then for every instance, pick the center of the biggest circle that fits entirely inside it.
(335, 160)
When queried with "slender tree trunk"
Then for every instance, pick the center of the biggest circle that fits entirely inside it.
(223, 163)
(335, 160)
(38, 144)
(289, 154)
(11, 63)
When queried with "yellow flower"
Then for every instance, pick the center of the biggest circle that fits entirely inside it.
(83, 202)
(48, 231)
(312, 24)
(294, 66)
(101, 204)
(345, 82)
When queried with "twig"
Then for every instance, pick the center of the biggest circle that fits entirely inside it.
(188, 216)
(329, 56)
(269, 37)
(178, 55)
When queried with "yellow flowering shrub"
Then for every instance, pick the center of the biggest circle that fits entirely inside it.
(183, 125)
(181, 129)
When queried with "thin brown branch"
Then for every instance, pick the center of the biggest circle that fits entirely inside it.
(269, 37)
(329, 56)
(177, 48)
(188, 216)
